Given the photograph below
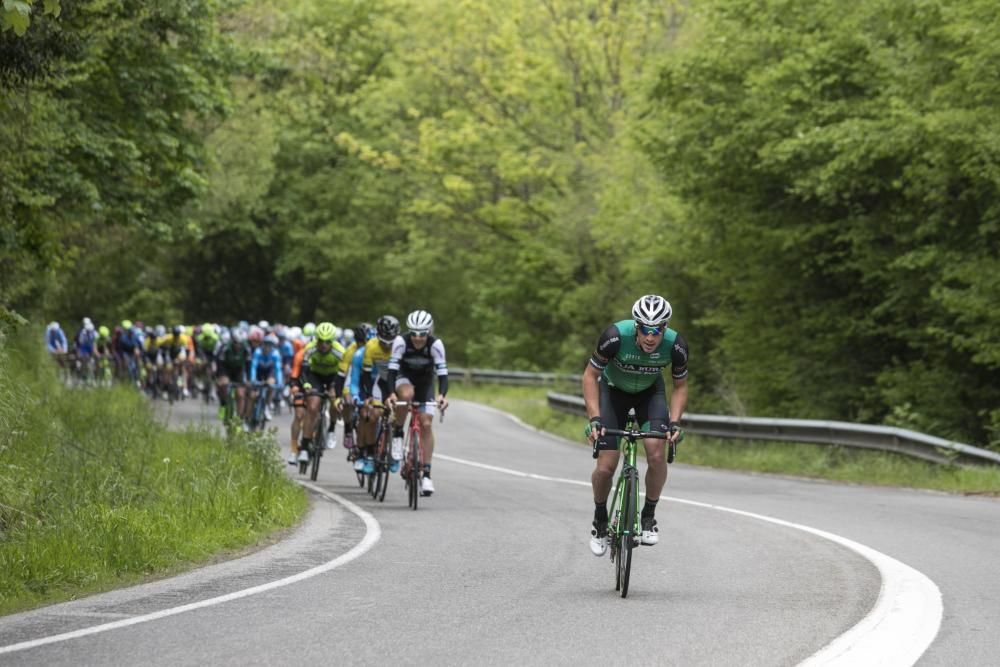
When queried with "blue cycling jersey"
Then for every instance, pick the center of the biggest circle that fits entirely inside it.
(55, 339)
(287, 352)
(356, 369)
(266, 363)
(85, 342)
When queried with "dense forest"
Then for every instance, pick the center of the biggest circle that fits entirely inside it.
(814, 186)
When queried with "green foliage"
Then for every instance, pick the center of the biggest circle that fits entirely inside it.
(814, 188)
(844, 172)
(94, 492)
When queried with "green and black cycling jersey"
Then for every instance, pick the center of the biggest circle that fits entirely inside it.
(626, 367)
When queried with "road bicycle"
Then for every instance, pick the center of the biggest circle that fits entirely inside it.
(413, 451)
(258, 415)
(320, 434)
(624, 525)
(378, 481)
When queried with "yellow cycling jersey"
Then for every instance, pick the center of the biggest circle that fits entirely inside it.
(376, 357)
(174, 343)
(345, 363)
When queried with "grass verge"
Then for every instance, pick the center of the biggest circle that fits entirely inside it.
(842, 464)
(96, 494)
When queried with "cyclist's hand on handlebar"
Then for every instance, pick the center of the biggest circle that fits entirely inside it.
(595, 429)
(442, 403)
(674, 429)
(390, 401)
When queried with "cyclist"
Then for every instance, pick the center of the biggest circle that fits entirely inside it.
(55, 341)
(83, 346)
(153, 359)
(374, 385)
(229, 363)
(625, 372)
(177, 350)
(266, 366)
(318, 374)
(416, 358)
(359, 336)
(205, 342)
(102, 351)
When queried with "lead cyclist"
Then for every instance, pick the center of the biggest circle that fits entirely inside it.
(626, 372)
(416, 358)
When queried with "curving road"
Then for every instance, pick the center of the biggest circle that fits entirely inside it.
(495, 569)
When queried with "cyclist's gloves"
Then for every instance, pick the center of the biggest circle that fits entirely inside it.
(673, 427)
(594, 427)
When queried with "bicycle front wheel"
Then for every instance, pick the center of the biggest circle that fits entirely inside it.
(626, 536)
(416, 466)
(319, 442)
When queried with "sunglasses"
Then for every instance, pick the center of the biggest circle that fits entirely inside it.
(651, 331)
(419, 334)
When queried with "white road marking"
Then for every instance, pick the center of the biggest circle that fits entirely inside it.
(373, 532)
(896, 631)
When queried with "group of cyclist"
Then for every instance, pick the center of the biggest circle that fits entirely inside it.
(379, 366)
(362, 368)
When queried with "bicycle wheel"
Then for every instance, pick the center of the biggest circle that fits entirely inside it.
(382, 464)
(627, 534)
(319, 438)
(416, 468)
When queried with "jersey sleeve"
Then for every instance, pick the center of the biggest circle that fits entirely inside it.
(395, 357)
(253, 365)
(276, 359)
(607, 347)
(679, 358)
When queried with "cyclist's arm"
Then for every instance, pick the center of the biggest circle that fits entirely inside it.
(607, 347)
(440, 366)
(276, 358)
(253, 366)
(679, 372)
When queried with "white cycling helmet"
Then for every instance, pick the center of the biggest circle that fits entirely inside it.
(419, 321)
(652, 310)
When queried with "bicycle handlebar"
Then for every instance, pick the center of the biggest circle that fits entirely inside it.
(637, 434)
(420, 404)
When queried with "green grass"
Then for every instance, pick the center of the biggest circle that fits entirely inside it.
(841, 464)
(95, 493)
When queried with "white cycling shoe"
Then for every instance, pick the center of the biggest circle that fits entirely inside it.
(426, 486)
(303, 456)
(599, 540)
(649, 535)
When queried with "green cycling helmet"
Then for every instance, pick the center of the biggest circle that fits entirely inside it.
(309, 329)
(326, 332)
(103, 331)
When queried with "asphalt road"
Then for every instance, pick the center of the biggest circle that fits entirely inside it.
(495, 569)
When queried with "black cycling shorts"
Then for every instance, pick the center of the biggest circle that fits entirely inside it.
(236, 374)
(321, 384)
(650, 406)
(423, 387)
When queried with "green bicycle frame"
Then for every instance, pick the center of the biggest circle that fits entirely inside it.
(623, 514)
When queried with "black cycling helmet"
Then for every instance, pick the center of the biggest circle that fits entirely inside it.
(387, 328)
(363, 333)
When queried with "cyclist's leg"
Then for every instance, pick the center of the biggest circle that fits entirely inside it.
(298, 415)
(404, 392)
(614, 408)
(652, 408)
(424, 392)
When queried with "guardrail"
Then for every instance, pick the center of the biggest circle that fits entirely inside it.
(884, 438)
(509, 377)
